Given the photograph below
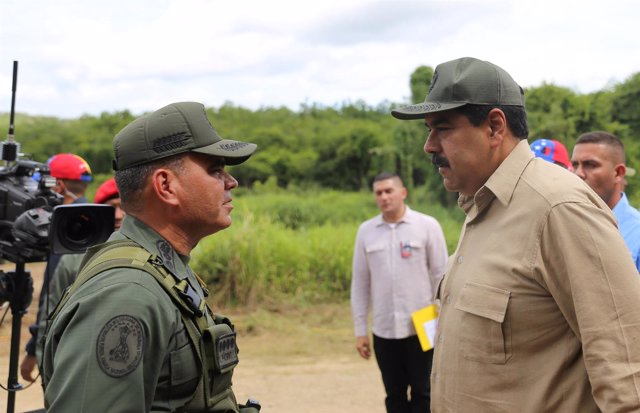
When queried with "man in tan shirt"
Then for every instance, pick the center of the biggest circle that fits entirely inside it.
(540, 303)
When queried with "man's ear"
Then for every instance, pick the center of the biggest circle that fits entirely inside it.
(60, 187)
(620, 171)
(497, 122)
(164, 186)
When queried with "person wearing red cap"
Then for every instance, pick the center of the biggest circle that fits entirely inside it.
(553, 151)
(108, 194)
(73, 175)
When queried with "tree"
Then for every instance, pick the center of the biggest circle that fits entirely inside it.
(626, 104)
(419, 83)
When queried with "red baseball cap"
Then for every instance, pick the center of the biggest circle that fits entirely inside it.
(69, 166)
(108, 190)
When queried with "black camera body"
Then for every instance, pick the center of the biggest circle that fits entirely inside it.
(33, 222)
(20, 192)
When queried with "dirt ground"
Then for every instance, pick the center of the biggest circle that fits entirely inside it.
(291, 359)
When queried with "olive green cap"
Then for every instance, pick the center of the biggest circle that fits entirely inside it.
(176, 128)
(462, 81)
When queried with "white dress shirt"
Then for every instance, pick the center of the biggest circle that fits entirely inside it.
(396, 269)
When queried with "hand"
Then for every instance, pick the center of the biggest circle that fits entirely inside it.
(27, 366)
(364, 347)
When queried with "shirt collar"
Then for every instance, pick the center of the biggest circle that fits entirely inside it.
(622, 204)
(502, 183)
(150, 240)
(408, 213)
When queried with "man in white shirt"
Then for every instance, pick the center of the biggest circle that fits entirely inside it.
(398, 260)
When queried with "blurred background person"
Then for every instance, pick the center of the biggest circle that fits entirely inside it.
(599, 159)
(398, 260)
(553, 151)
(67, 269)
(72, 174)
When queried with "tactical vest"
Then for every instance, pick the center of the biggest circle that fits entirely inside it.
(215, 345)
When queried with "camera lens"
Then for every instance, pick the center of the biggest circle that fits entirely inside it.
(76, 227)
(81, 230)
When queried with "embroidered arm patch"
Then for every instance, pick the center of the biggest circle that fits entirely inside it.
(120, 345)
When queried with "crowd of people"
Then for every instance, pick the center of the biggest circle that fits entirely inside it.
(538, 304)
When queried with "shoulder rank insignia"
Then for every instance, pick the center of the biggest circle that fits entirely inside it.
(166, 253)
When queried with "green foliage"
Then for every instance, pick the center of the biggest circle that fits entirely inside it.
(258, 260)
(552, 112)
(344, 146)
(294, 246)
(304, 208)
(626, 104)
(419, 83)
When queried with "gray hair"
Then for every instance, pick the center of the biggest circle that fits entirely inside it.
(132, 181)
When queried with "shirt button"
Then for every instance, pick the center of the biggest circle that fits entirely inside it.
(440, 338)
(459, 259)
(448, 299)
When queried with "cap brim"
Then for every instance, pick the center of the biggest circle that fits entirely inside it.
(418, 110)
(234, 152)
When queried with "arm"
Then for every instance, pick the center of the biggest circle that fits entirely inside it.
(32, 348)
(63, 277)
(437, 255)
(106, 349)
(596, 286)
(360, 292)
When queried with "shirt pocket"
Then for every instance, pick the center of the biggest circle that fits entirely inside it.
(376, 257)
(416, 251)
(184, 373)
(485, 333)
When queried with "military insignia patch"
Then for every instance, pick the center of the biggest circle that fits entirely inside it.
(120, 345)
(166, 252)
(226, 351)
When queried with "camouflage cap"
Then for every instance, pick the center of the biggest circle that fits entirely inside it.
(462, 81)
(176, 128)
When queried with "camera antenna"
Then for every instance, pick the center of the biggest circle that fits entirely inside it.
(10, 148)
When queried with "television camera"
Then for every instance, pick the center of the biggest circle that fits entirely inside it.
(34, 224)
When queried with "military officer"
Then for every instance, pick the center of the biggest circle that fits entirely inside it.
(134, 333)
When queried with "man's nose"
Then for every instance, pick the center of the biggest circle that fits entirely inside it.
(430, 145)
(230, 181)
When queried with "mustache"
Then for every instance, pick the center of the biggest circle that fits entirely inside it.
(439, 160)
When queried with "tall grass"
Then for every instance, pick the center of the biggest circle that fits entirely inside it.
(293, 247)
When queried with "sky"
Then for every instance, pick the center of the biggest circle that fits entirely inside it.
(88, 57)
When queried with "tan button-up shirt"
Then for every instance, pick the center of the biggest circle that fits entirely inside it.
(396, 269)
(540, 303)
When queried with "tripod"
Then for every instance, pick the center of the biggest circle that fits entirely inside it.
(21, 293)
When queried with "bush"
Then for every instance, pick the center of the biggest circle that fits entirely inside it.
(293, 247)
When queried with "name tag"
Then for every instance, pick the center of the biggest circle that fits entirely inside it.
(226, 351)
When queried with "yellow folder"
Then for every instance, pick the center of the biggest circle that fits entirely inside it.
(426, 323)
